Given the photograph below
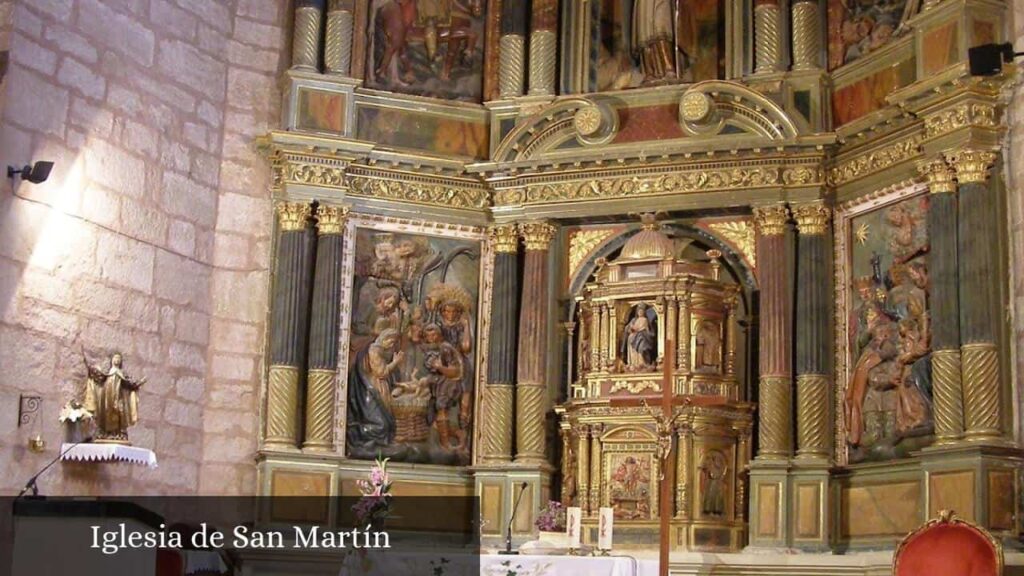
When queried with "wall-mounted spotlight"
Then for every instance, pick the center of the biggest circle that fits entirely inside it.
(36, 173)
(988, 59)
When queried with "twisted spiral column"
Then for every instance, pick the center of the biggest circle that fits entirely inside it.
(306, 35)
(543, 46)
(806, 35)
(512, 49)
(338, 47)
(767, 37)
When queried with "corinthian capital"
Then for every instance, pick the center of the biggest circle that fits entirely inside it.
(537, 235)
(938, 175)
(971, 165)
(504, 238)
(812, 218)
(293, 215)
(331, 219)
(771, 220)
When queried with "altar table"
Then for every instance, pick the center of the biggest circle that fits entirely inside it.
(529, 565)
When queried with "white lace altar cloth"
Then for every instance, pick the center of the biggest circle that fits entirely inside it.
(108, 453)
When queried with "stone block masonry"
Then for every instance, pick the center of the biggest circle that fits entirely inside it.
(151, 236)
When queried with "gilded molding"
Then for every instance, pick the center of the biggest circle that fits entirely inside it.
(282, 407)
(537, 235)
(739, 234)
(312, 174)
(812, 219)
(771, 220)
(874, 161)
(436, 194)
(504, 238)
(971, 165)
(320, 387)
(947, 390)
(974, 114)
(293, 216)
(775, 417)
(812, 415)
(331, 219)
(982, 404)
(938, 175)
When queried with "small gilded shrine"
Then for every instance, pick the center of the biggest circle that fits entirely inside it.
(641, 303)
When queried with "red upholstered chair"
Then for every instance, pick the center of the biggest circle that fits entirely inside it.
(948, 546)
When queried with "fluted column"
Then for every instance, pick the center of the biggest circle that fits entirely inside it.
(338, 47)
(806, 35)
(583, 468)
(776, 393)
(512, 48)
(289, 326)
(321, 378)
(979, 295)
(531, 373)
(595, 468)
(812, 331)
(944, 305)
(543, 47)
(767, 37)
(501, 350)
(306, 35)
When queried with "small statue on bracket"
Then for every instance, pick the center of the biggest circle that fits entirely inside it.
(112, 397)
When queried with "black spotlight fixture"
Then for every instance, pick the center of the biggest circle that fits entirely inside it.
(988, 59)
(36, 173)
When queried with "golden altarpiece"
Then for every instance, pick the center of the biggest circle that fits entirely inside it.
(493, 217)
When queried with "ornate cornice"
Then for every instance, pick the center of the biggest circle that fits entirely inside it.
(971, 165)
(293, 216)
(875, 160)
(938, 175)
(537, 235)
(974, 114)
(419, 191)
(812, 218)
(331, 219)
(504, 238)
(771, 220)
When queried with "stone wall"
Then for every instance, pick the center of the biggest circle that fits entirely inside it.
(151, 236)
(1013, 150)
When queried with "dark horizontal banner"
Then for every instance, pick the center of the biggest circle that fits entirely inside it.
(178, 536)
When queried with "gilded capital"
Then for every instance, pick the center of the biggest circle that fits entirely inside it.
(971, 165)
(938, 175)
(293, 215)
(504, 238)
(537, 235)
(771, 220)
(812, 219)
(331, 219)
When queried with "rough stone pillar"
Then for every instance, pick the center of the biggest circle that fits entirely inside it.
(531, 385)
(321, 379)
(512, 49)
(543, 47)
(806, 35)
(767, 37)
(289, 326)
(306, 35)
(944, 296)
(338, 47)
(814, 288)
(775, 410)
(501, 359)
(979, 295)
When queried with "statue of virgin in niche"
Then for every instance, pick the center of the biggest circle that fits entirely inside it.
(639, 348)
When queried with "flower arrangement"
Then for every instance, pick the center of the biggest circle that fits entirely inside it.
(551, 518)
(374, 505)
(73, 411)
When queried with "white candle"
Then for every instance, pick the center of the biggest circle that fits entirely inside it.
(604, 528)
(573, 516)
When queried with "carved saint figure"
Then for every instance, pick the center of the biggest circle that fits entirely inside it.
(445, 368)
(639, 346)
(713, 469)
(371, 424)
(708, 347)
(112, 398)
(653, 38)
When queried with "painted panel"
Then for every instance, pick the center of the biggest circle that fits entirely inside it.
(857, 28)
(952, 491)
(868, 94)
(887, 402)
(412, 358)
(1001, 500)
(427, 47)
(879, 510)
(630, 490)
(644, 123)
(434, 133)
(941, 47)
(321, 111)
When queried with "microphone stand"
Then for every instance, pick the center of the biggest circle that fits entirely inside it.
(508, 531)
(31, 484)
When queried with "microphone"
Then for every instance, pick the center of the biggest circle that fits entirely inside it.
(508, 531)
(31, 484)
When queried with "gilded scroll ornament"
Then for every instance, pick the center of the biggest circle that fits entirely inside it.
(740, 234)
(776, 400)
(973, 114)
(314, 174)
(582, 243)
(982, 405)
(812, 414)
(801, 176)
(537, 235)
(971, 165)
(812, 219)
(938, 175)
(331, 219)
(282, 406)
(771, 220)
(320, 387)
(293, 216)
(504, 238)
(874, 161)
(635, 387)
(437, 194)
(947, 392)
